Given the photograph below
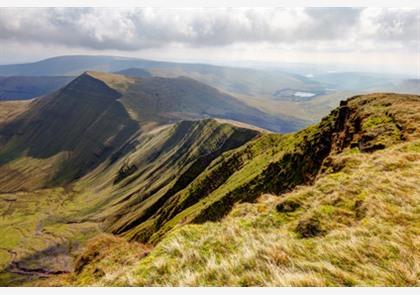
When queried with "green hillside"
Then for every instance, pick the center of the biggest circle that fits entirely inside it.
(354, 221)
(208, 203)
(43, 230)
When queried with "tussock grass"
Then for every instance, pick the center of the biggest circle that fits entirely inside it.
(368, 213)
(105, 256)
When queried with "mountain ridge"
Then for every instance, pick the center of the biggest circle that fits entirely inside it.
(159, 184)
(272, 194)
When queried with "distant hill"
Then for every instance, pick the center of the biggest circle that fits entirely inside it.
(170, 99)
(409, 86)
(359, 81)
(26, 87)
(243, 81)
(274, 91)
(69, 66)
(135, 72)
(77, 126)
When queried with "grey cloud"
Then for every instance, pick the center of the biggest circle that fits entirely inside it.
(331, 23)
(396, 25)
(133, 29)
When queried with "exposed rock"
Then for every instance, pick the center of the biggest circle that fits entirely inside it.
(308, 228)
(287, 206)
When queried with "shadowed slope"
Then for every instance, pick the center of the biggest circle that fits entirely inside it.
(81, 124)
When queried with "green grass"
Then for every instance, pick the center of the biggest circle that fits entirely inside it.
(36, 225)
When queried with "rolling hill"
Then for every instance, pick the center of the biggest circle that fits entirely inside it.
(243, 83)
(236, 80)
(135, 72)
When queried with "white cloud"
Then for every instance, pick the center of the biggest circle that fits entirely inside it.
(318, 35)
(134, 29)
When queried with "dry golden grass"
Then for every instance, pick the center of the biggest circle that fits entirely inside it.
(105, 257)
(9, 110)
(368, 220)
(118, 82)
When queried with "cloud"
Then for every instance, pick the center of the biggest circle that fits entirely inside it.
(395, 24)
(135, 28)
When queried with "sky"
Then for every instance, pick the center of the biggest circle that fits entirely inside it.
(369, 38)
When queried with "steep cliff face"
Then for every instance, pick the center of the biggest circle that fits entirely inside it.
(276, 163)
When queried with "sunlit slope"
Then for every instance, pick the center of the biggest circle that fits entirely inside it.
(276, 163)
(356, 226)
(9, 110)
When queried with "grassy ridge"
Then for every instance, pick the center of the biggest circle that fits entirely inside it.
(165, 164)
(355, 221)
(277, 163)
(357, 226)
